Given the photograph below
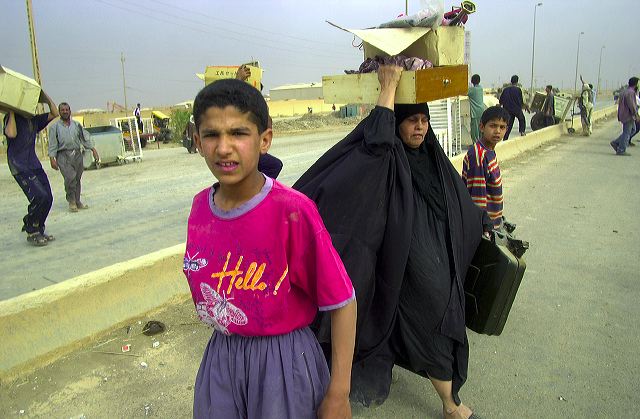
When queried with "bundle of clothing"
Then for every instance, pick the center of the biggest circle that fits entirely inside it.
(371, 65)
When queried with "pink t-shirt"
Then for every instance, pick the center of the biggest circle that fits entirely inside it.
(264, 268)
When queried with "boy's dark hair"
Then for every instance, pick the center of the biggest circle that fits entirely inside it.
(514, 79)
(550, 87)
(494, 112)
(590, 86)
(61, 104)
(236, 93)
(475, 79)
(633, 81)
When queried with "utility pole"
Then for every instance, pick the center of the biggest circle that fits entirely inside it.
(124, 83)
(406, 7)
(533, 47)
(599, 67)
(36, 67)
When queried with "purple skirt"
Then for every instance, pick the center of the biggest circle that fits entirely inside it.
(261, 377)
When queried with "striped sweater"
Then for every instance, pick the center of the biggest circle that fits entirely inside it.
(481, 174)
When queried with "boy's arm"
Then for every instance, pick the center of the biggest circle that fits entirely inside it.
(11, 130)
(343, 337)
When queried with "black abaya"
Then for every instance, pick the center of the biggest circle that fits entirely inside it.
(365, 194)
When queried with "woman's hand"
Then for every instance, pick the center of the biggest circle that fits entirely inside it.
(389, 77)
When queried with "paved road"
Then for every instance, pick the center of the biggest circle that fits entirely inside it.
(568, 350)
(134, 209)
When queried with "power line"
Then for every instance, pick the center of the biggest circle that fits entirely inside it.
(173, 6)
(222, 34)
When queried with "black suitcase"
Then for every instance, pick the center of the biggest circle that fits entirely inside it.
(490, 286)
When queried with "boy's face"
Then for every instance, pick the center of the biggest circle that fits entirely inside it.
(230, 144)
(493, 132)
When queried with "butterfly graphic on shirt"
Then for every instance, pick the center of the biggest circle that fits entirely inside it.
(217, 311)
(193, 264)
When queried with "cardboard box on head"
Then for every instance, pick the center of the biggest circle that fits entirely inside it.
(18, 92)
(443, 47)
(219, 72)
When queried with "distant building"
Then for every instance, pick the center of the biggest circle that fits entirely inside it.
(301, 91)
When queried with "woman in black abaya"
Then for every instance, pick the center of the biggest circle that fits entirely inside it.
(406, 229)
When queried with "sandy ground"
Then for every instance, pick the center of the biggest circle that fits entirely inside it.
(568, 349)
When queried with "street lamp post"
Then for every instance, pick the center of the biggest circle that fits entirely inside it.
(575, 83)
(599, 67)
(533, 46)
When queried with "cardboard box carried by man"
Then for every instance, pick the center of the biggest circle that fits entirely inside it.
(18, 92)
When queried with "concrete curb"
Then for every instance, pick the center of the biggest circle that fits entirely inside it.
(43, 325)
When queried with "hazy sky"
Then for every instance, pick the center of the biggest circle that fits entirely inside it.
(166, 42)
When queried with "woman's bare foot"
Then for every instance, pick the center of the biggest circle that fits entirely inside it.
(461, 412)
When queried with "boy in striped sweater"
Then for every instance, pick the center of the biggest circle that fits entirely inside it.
(480, 169)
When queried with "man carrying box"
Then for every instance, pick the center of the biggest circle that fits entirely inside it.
(26, 168)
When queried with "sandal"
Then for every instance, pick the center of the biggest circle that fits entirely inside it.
(37, 239)
(48, 237)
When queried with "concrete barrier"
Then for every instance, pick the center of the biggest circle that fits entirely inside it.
(43, 325)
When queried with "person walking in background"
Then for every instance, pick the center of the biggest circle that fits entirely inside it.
(137, 114)
(549, 107)
(66, 140)
(511, 100)
(637, 120)
(627, 115)
(585, 103)
(27, 170)
(476, 106)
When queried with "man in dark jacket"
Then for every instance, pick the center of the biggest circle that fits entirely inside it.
(511, 100)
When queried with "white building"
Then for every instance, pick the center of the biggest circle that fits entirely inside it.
(301, 91)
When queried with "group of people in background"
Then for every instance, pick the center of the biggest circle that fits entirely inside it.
(512, 100)
(67, 141)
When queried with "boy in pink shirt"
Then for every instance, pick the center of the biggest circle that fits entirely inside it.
(260, 264)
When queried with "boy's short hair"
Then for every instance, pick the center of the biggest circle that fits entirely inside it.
(633, 81)
(475, 79)
(550, 87)
(494, 112)
(514, 79)
(236, 93)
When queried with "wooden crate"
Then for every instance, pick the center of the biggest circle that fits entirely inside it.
(414, 87)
